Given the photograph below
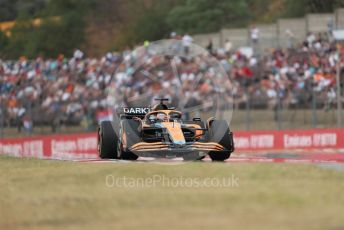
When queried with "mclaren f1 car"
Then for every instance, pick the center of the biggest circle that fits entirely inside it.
(161, 132)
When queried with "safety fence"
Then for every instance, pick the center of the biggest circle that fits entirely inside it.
(84, 146)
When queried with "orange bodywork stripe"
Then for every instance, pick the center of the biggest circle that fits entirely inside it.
(198, 133)
(175, 131)
(148, 144)
(146, 150)
(208, 143)
(124, 140)
(144, 146)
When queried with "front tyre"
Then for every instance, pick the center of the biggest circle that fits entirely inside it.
(107, 141)
(219, 132)
(132, 136)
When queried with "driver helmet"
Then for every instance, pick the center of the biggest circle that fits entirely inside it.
(161, 117)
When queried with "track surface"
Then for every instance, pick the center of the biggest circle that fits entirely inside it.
(315, 156)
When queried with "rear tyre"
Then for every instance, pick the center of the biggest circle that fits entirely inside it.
(130, 130)
(107, 141)
(219, 132)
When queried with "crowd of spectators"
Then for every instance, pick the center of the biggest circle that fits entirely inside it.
(290, 77)
(75, 90)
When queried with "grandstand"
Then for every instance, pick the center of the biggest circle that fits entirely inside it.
(72, 92)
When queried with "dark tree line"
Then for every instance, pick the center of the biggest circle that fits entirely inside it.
(133, 21)
(11, 9)
(61, 29)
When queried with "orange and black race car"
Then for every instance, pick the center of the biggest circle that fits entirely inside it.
(161, 133)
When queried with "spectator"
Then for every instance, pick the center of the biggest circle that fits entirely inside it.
(228, 46)
(210, 46)
(63, 91)
(78, 54)
(187, 41)
(254, 34)
(290, 37)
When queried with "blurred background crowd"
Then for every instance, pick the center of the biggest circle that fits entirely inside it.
(56, 71)
(73, 91)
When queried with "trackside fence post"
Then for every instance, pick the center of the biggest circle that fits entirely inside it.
(314, 110)
(279, 111)
(248, 110)
(2, 119)
(338, 93)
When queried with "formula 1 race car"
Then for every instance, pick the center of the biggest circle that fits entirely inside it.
(161, 133)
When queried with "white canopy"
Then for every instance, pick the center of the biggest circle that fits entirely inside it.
(338, 35)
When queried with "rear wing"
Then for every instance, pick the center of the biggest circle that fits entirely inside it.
(130, 112)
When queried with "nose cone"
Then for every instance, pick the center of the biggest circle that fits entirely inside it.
(175, 132)
(179, 142)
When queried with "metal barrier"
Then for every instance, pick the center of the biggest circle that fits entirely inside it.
(315, 111)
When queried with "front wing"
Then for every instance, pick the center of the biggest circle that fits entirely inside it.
(161, 150)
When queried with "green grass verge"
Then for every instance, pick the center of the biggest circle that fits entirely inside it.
(42, 194)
